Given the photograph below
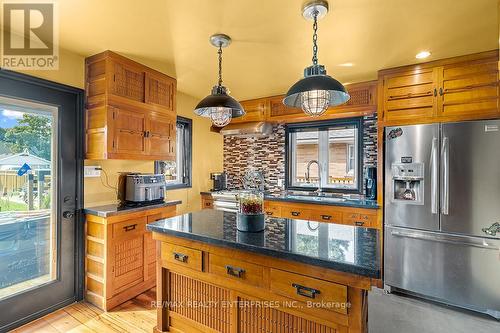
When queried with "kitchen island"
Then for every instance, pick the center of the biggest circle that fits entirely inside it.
(296, 276)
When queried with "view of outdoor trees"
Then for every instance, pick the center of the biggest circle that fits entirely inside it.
(25, 148)
(31, 133)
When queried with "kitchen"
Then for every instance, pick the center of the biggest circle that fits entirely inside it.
(198, 171)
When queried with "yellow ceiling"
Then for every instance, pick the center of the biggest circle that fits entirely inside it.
(271, 41)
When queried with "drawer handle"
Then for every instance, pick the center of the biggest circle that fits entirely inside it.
(306, 291)
(269, 213)
(130, 227)
(359, 223)
(180, 257)
(295, 213)
(235, 271)
(326, 217)
(207, 204)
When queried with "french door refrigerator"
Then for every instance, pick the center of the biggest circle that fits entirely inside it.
(442, 213)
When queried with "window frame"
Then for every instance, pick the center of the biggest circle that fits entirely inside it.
(295, 127)
(188, 162)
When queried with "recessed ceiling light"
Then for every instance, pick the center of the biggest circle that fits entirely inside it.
(347, 64)
(423, 55)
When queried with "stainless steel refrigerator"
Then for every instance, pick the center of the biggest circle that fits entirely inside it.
(442, 213)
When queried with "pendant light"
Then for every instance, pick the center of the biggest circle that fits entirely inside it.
(219, 106)
(316, 92)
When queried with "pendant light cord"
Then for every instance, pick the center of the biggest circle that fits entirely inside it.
(315, 38)
(220, 64)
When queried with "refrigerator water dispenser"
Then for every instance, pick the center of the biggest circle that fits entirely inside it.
(408, 183)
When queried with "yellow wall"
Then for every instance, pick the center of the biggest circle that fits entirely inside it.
(207, 146)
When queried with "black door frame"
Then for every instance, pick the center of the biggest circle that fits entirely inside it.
(79, 217)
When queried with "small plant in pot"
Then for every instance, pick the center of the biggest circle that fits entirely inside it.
(251, 212)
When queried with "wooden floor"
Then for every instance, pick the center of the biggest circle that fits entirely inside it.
(136, 315)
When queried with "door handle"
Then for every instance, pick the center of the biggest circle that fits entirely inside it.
(434, 176)
(235, 271)
(180, 257)
(130, 227)
(68, 214)
(445, 239)
(445, 160)
(306, 291)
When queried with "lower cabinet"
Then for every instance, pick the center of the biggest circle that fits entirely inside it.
(120, 256)
(207, 288)
(360, 217)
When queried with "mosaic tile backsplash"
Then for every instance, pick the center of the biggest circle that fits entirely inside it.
(267, 154)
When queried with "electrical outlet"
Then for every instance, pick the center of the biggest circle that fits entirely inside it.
(280, 182)
(91, 171)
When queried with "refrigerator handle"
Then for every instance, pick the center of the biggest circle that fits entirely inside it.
(434, 176)
(445, 160)
(443, 238)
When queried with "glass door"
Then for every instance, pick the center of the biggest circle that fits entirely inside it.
(38, 200)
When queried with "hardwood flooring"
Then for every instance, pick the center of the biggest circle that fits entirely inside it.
(136, 315)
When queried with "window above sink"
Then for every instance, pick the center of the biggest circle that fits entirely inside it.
(325, 156)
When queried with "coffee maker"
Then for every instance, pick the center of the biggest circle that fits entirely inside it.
(371, 183)
(219, 181)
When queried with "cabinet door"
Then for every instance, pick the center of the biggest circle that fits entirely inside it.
(278, 111)
(128, 128)
(127, 254)
(410, 95)
(255, 109)
(128, 81)
(160, 90)
(469, 90)
(161, 136)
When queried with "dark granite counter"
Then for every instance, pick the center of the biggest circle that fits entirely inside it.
(339, 247)
(325, 200)
(116, 209)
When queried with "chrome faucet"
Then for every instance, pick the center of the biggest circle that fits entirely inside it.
(308, 174)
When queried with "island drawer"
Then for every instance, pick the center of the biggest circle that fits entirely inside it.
(181, 255)
(360, 219)
(129, 228)
(325, 215)
(236, 269)
(328, 295)
(295, 213)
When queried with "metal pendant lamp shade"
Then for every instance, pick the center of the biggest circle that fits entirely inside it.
(317, 91)
(219, 106)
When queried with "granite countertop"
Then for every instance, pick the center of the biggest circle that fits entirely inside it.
(324, 200)
(345, 201)
(117, 209)
(339, 247)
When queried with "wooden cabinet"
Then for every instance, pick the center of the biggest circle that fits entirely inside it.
(130, 110)
(256, 110)
(206, 201)
(161, 135)
(128, 132)
(309, 290)
(362, 102)
(261, 293)
(455, 89)
(120, 256)
(360, 217)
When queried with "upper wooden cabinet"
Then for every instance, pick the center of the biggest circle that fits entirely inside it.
(362, 102)
(130, 110)
(455, 89)
(256, 110)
